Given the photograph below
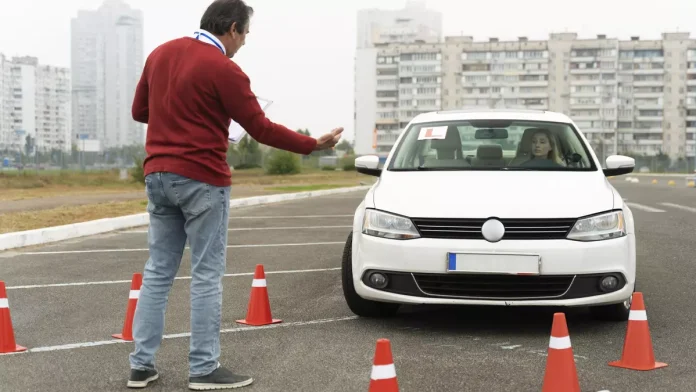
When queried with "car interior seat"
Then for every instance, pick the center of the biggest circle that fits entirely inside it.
(448, 150)
(489, 155)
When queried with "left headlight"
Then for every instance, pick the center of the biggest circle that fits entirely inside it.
(600, 227)
(385, 225)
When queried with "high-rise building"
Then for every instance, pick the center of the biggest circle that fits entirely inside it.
(34, 102)
(107, 60)
(377, 83)
(643, 91)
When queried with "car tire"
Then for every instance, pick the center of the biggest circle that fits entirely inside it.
(614, 312)
(358, 305)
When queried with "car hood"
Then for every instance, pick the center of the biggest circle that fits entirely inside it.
(483, 194)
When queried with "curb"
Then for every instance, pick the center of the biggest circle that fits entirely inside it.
(46, 235)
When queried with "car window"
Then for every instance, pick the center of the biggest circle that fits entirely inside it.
(491, 145)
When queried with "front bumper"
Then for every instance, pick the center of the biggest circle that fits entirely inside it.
(570, 272)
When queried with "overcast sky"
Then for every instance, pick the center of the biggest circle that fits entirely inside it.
(300, 52)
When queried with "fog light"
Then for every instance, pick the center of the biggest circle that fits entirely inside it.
(378, 280)
(609, 283)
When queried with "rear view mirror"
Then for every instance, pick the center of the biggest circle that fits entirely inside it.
(491, 133)
(368, 164)
(490, 123)
(618, 165)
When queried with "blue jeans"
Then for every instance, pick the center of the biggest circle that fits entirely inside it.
(181, 208)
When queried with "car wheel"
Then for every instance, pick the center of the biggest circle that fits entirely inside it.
(614, 312)
(357, 304)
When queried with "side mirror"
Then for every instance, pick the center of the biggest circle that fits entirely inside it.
(618, 165)
(368, 164)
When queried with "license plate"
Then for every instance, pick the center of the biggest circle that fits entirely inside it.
(494, 263)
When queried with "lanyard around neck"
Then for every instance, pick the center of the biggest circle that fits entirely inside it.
(198, 34)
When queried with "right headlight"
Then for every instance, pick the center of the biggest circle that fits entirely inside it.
(599, 227)
(385, 225)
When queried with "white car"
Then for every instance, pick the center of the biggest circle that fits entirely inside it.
(491, 207)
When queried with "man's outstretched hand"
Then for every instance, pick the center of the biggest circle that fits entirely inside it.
(329, 140)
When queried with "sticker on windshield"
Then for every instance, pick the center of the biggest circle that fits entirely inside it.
(432, 133)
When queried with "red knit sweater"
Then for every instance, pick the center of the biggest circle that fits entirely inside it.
(187, 95)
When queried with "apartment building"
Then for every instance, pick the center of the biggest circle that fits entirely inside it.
(107, 60)
(34, 101)
(632, 96)
(379, 89)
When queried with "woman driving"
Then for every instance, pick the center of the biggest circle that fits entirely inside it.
(544, 150)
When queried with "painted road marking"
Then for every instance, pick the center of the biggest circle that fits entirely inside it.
(68, 252)
(678, 206)
(289, 216)
(105, 282)
(644, 207)
(181, 335)
(267, 228)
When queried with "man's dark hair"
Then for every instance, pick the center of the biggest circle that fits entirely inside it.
(220, 15)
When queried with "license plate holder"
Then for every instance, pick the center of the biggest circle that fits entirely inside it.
(493, 263)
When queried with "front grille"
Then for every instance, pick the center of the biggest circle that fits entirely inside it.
(493, 286)
(515, 229)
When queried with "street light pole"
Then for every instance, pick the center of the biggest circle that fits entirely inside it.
(616, 126)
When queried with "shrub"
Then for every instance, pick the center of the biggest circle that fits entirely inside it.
(348, 163)
(138, 172)
(247, 166)
(284, 162)
(328, 168)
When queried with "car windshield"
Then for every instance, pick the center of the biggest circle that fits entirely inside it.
(492, 145)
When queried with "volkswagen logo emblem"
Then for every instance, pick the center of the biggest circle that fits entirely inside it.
(493, 230)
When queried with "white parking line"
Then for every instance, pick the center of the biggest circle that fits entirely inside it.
(105, 282)
(68, 252)
(644, 207)
(678, 206)
(181, 335)
(288, 216)
(267, 228)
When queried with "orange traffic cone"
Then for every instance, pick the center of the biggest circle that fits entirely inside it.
(259, 310)
(383, 376)
(133, 295)
(638, 349)
(561, 374)
(7, 339)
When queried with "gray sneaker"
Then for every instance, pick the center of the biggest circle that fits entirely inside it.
(220, 378)
(141, 378)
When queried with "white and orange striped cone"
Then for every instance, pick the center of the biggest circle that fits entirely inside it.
(638, 349)
(561, 374)
(133, 295)
(7, 339)
(383, 376)
(259, 309)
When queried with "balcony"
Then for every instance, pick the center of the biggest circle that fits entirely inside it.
(386, 121)
(650, 95)
(648, 59)
(648, 83)
(652, 71)
(587, 71)
(649, 118)
(533, 83)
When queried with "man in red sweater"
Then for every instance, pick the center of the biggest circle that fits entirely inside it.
(187, 95)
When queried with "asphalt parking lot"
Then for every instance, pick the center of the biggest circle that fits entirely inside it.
(67, 299)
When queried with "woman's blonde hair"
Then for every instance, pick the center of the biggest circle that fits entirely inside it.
(554, 154)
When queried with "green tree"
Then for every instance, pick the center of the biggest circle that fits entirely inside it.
(29, 145)
(345, 145)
